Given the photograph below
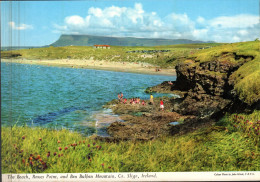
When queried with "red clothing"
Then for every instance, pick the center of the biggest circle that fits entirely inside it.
(161, 102)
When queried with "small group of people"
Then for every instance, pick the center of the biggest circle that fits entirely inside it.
(137, 100)
(161, 102)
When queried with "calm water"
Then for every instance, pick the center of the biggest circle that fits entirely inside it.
(69, 98)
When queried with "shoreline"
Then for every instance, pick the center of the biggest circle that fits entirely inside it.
(141, 68)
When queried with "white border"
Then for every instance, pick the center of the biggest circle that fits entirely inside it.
(135, 176)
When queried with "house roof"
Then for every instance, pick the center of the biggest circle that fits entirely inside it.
(102, 45)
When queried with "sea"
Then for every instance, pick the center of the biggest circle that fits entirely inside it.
(70, 98)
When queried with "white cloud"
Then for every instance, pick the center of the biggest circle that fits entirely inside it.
(233, 28)
(236, 39)
(242, 32)
(200, 19)
(136, 22)
(237, 21)
(22, 26)
(179, 22)
(74, 20)
(179, 18)
(139, 8)
(200, 33)
(95, 11)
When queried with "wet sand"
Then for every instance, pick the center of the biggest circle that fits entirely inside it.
(143, 68)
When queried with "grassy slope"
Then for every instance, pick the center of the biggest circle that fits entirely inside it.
(116, 53)
(231, 145)
(247, 78)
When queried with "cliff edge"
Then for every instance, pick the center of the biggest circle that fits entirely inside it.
(212, 82)
(222, 79)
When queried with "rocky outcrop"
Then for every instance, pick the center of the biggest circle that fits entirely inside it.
(142, 122)
(144, 127)
(166, 87)
(208, 86)
(207, 77)
(207, 92)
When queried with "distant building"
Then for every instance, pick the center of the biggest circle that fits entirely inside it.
(204, 47)
(101, 46)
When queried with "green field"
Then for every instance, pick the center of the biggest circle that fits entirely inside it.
(116, 53)
(232, 144)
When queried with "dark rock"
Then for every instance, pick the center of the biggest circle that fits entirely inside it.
(144, 127)
(207, 93)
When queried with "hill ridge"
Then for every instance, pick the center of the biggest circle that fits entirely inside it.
(89, 40)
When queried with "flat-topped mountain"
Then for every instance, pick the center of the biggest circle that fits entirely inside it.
(89, 40)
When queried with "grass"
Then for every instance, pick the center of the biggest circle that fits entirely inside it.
(251, 48)
(247, 81)
(116, 53)
(231, 145)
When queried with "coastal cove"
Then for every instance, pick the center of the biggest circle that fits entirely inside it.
(130, 90)
(214, 124)
(61, 97)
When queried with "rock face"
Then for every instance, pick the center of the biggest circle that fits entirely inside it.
(207, 93)
(208, 86)
(164, 87)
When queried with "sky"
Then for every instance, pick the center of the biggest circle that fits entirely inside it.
(39, 23)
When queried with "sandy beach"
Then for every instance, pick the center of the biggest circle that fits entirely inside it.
(143, 68)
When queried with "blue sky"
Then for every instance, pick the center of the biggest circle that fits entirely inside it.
(38, 23)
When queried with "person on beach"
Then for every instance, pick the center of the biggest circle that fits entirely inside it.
(125, 101)
(119, 97)
(122, 95)
(161, 105)
(143, 103)
(138, 100)
(151, 99)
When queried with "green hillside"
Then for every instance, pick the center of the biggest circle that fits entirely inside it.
(170, 58)
(90, 40)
